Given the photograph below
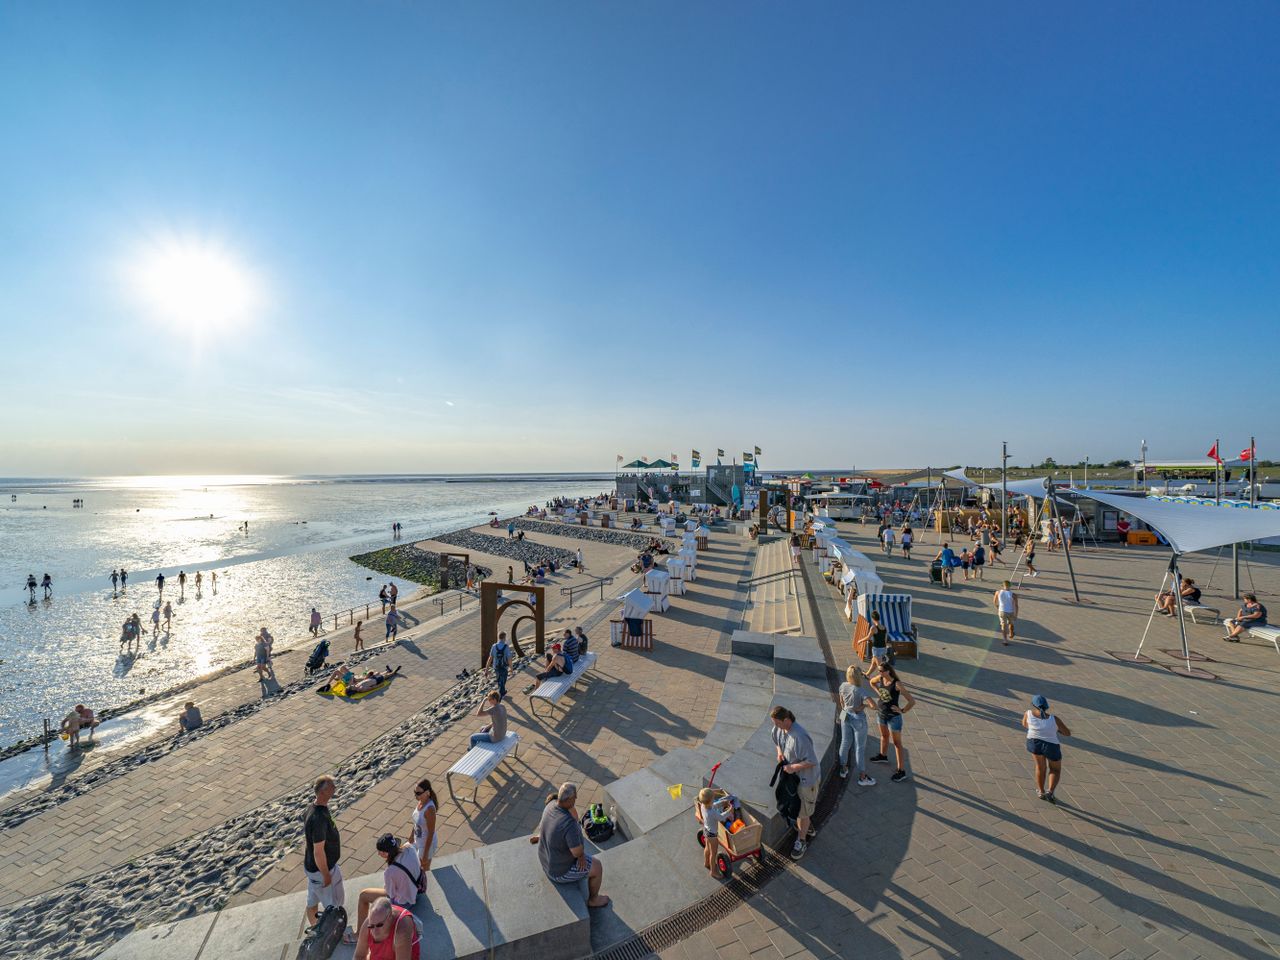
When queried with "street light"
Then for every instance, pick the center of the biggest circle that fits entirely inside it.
(1004, 491)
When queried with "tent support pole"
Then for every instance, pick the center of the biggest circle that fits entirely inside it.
(1235, 570)
(1182, 615)
(1154, 607)
(1066, 541)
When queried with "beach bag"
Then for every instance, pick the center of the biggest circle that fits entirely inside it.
(326, 935)
(420, 881)
(596, 824)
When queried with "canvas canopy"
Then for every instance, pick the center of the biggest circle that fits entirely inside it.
(850, 557)
(636, 604)
(635, 465)
(1190, 527)
(958, 474)
(1024, 488)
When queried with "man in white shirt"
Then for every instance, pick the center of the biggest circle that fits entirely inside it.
(1006, 602)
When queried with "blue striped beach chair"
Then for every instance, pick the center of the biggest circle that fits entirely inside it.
(895, 614)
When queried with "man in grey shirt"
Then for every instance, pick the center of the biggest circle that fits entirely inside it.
(561, 846)
(796, 753)
(496, 729)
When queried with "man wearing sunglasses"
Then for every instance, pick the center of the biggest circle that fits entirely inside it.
(389, 933)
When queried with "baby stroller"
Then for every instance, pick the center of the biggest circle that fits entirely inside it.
(319, 655)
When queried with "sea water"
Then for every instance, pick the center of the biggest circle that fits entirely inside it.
(292, 556)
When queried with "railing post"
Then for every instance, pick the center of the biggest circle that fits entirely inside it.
(46, 735)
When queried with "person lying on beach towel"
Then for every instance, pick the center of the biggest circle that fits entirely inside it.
(345, 684)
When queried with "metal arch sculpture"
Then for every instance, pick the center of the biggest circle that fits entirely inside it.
(491, 614)
(444, 567)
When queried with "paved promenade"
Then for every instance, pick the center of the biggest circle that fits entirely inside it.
(1164, 840)
(146, 823)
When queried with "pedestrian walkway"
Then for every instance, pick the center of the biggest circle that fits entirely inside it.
(1163, 842)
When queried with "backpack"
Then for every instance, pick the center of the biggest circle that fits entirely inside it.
(596, 824)
(500, 657)
(325, 936)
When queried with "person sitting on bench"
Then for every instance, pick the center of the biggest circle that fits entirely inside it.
(1252, 614)
(496, 729)
(1167, 603)
(557, 666)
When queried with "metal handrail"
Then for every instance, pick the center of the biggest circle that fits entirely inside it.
(462, 596)
(350, 613)
(765, 577)
(593, 583)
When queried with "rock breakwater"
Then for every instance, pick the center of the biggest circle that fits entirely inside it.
(410, 562)
(201, 872)
(618, 538)
(520, 550)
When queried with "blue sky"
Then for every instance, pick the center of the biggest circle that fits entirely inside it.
(532, 236)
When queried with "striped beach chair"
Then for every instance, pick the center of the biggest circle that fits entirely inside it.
(895, 614)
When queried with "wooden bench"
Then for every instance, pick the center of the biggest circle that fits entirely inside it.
(480, 761)
(556, 687)
(1267, 633)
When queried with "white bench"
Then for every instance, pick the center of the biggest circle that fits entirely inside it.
(1267, 633)
(1204, 610)
(553, 689)
(480, 761)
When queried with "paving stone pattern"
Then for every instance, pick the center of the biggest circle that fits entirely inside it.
(1164, 841)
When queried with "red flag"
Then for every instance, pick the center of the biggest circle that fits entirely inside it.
(1247, 453)
(1213, 453)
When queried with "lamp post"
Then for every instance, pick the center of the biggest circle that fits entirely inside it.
(1086, 473)
(1144, 466)
(1004, 491)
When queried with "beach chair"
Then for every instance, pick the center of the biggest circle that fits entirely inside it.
(895, 615)
(480, 761)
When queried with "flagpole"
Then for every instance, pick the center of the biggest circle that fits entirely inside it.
(1253, 462)
(1217, 471)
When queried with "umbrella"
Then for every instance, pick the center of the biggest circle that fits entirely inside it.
(660, 465)
(635, 465)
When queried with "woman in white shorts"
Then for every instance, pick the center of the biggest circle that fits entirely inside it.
(425, 838)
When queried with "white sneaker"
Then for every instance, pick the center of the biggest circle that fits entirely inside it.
(844, 773)
(866, 781)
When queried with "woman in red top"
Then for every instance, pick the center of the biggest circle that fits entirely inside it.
(389, 933)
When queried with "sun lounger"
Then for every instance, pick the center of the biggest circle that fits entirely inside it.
(556, 687)
(480, 761)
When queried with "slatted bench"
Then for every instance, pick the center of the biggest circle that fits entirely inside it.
(480, 761)
(1198, 610)
(1267, 633)
(553, 689)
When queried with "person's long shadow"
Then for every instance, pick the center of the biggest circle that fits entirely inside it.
(411, 647)
(1149, 909)
(1009, 722)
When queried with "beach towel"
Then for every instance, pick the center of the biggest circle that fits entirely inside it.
(339, 689)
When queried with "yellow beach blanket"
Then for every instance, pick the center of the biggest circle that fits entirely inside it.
(339, 689)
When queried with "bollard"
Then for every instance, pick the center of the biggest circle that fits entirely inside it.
(46, 735)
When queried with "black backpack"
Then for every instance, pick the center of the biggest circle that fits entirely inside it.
(596, 824)
(500, 658)
(326, 935)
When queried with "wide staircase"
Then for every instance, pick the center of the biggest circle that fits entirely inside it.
(773, 604)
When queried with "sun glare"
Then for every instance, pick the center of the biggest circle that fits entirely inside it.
(197, 285)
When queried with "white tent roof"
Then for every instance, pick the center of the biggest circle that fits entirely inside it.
(958, 474)
(1024, 488)
(1190, 527)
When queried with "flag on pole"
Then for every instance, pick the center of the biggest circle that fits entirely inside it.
(676, 790)
(719, 452)
(758, 451)
(1248, 453)
(696, 455)
(747, 457)
(1213, 453)
(619, 458)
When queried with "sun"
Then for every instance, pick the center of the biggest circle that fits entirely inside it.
(197, 286)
